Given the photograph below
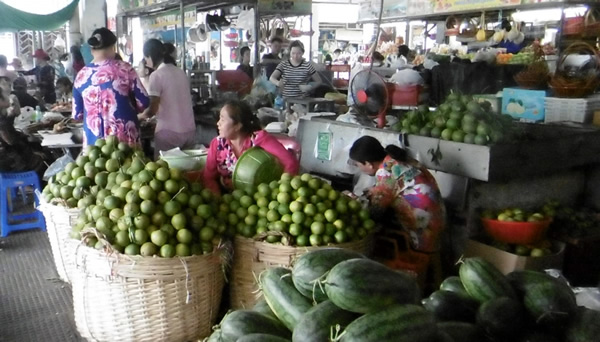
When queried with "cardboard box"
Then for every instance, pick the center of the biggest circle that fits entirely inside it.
(524, 104)
(507, 262)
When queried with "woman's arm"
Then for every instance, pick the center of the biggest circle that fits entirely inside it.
(270, 144)
(276, 78)
(210, 175)
(137, 88)
(152, 108)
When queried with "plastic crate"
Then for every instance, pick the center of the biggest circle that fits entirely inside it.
(574, 110)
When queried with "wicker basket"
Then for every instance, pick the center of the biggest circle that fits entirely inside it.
(59, 222)
(123, 298)
(251, 257)
(564, 85)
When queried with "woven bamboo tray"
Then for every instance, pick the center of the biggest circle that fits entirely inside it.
(251, 257)
(59, 222)
(123, 298)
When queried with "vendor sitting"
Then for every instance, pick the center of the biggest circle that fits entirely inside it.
(406, 75)
(379, 61)
(405, 189)
(239, 130)
(64, 89)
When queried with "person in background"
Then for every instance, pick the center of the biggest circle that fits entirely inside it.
(405, 189)
(4, 72)
(337, 56)
(407, 76)
(76, 61)
(17, 65)
(18, 154)
(170, 101)
(25, 99)
(328, 59)
(292, 75)
(379, 60)
(44, 75)
(272, 59)
(170, 54)
(64, 89)
(102, 93)
(402, 57)
(245, 62)
(239, 130)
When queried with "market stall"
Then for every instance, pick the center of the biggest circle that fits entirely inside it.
(148, 245)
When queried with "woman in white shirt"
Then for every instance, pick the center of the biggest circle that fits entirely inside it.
(170, 101)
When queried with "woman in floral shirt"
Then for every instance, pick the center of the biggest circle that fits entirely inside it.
(104, 93)
(238, 131)
(406, 187)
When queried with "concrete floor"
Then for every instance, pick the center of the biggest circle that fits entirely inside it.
(35, 305)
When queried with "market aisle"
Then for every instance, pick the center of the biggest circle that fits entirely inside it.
(34, 304)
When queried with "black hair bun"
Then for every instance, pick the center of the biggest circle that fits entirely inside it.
(95, 40)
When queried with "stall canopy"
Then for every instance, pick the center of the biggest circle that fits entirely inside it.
(12, 19)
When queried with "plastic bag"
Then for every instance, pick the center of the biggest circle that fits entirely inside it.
(58, 166)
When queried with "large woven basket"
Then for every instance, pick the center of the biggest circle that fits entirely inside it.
(251, 257)
(59, 222)
(122, 298)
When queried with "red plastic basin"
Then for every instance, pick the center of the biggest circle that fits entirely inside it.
(522, 233)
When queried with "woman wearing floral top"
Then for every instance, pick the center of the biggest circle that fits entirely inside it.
(404, 186)
(238, 131)
(104, 91)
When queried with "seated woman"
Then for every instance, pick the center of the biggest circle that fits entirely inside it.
(64, 89)
(239, 130)
(404, 186)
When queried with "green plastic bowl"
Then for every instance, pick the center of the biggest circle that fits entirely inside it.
(255, 166)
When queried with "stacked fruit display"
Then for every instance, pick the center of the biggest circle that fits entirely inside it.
(139, 206)
(459, 119)
(296, 210)
(339, 295)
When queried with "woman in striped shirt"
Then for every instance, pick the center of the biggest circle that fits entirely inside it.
(293, 76)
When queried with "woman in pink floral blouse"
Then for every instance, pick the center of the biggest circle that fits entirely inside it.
(239, 130)
(104, 93)
(404, 186)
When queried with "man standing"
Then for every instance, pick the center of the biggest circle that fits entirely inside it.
(271, 60)
(44, 75)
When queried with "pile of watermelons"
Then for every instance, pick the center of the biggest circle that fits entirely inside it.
(339, 295)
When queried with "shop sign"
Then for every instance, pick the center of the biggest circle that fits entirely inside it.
(287, 7)
(369, 10)
(419, 7)
(168, 20)
(442, 6)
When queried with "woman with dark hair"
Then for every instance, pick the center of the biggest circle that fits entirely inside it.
(103, 92)
(293, 75)
(404, 186)
(170, 54)
(245, 62)
(170, 101)
(239, 129)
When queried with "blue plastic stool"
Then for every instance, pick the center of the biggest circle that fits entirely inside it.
(12, 215)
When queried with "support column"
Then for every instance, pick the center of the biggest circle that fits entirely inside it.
(74, 36)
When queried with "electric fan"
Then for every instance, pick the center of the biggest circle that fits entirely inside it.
(370, 95)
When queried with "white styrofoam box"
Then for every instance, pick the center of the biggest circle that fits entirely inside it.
(575, 110)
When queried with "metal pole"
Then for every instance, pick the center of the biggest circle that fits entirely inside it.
(257, 71)
(310, 40)
(183, 54)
